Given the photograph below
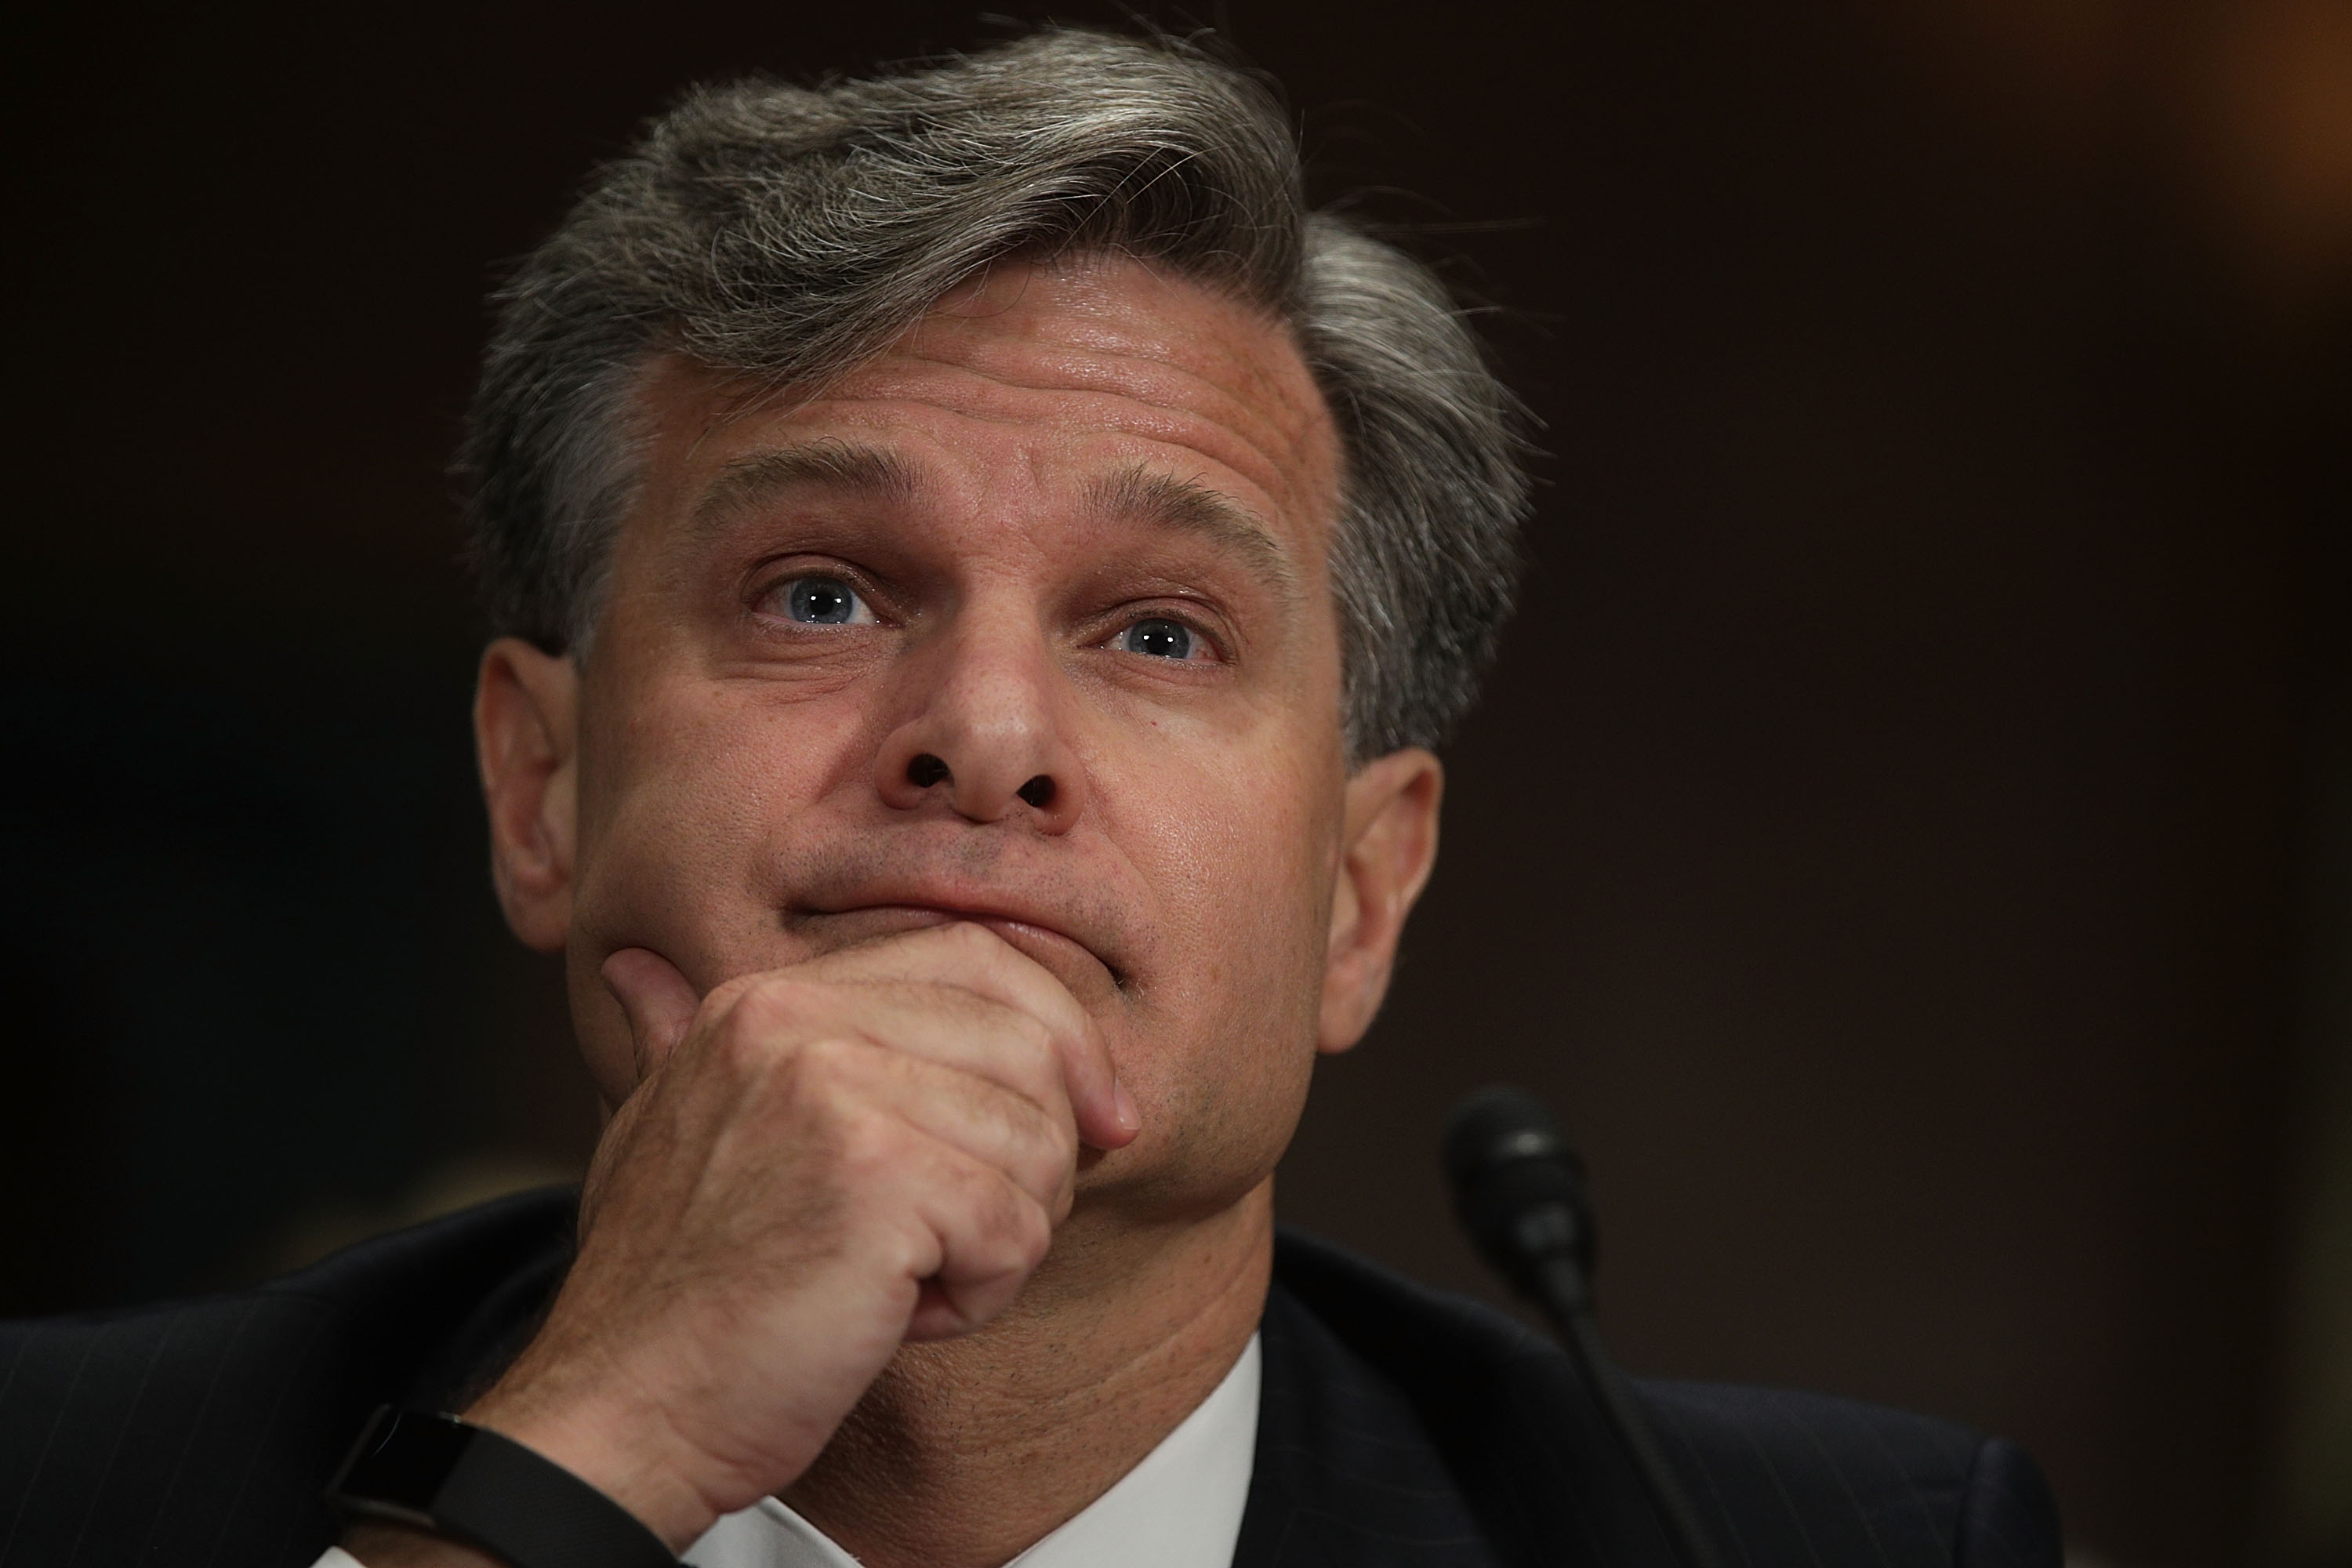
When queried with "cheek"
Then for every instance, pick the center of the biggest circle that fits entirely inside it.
(670, 807)
(1254, 913)
(680, 790)
(1224, 1065)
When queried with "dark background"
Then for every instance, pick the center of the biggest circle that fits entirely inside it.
(1907, 836)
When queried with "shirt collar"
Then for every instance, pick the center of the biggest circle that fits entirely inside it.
(1180, 1507)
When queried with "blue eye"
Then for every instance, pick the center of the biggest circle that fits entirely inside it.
(1159, 638)
(825, 601)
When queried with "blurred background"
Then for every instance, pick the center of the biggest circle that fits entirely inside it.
(1909, 836)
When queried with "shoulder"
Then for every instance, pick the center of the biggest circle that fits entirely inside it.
(1781, 1475)
(203, 1430)
(1801, 1476)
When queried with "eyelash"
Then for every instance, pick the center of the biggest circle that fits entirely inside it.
(1126, 620)
(766, 590)
(1192, 621)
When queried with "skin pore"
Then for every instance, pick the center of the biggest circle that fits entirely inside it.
(959, 869)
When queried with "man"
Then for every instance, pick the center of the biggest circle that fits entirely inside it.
(979, 570)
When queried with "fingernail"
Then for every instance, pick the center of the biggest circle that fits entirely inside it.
(1122, 1106)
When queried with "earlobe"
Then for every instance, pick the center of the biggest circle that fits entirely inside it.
(1388, 848)
(526, 737)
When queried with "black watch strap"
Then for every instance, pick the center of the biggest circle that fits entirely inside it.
(437, 1473)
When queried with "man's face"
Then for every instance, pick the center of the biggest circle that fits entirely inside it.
(1027, 621)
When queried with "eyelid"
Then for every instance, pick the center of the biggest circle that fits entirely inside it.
(771, 576)
(1201, 626)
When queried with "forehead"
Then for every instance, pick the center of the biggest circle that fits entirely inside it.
(1035, 378)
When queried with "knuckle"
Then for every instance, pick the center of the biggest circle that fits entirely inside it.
(728, 993)
(1036, 1060)
(1009, 1228)
(819, 1070)
(747, 1051)
(759, 1018)
(1042, 1179)
(905, 1245)
(866, 1143)
(775, 1001)
(1028, 1232)
(1009, 1205)
(1035, 1034)
(1046, 1137)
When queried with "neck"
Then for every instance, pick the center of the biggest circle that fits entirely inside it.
(967, 1451)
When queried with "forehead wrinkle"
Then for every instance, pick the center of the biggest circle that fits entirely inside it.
(1297, 434)
(1288, 467)
(1140, 493)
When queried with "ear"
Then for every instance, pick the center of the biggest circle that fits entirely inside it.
(526, 736)
(1388, 846)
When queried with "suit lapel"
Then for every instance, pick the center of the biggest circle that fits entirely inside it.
(1496, 1453)
(1345, 1476)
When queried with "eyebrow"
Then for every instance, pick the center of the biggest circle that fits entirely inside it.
(867, 471)
(1141, 494)
(1134, 493)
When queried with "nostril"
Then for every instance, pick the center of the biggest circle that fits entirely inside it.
(926, 770)
(1038, 792)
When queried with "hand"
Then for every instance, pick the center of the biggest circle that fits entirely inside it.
(819, 1164)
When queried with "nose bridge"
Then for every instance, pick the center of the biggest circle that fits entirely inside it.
(984, 730)
(995, 675)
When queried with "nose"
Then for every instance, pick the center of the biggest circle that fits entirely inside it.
(984, 738)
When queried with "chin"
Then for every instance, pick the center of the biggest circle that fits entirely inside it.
(1193, 1172)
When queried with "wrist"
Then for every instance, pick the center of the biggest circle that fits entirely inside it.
(378, 1543)
(633, 1458)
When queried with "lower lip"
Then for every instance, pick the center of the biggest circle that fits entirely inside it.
(1041, 942)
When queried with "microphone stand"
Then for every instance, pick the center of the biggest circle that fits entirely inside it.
(1565, 1297)
(1519, 1190)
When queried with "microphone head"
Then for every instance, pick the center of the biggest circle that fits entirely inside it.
(1518, 1187)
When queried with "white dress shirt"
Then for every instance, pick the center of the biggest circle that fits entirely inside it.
(1181, 1507)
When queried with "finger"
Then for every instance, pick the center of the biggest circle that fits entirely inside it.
(946, 1025)
(894, 1095)
(990, 1235)
(660, 1003)
(967, 954)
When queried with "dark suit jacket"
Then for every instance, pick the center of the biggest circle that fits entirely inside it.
(1398, 1427)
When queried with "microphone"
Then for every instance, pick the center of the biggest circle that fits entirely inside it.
(1519, 1192)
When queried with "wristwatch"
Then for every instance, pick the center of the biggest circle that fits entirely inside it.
(467, 1482)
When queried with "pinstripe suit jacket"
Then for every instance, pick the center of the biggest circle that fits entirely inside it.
(1398, 1428)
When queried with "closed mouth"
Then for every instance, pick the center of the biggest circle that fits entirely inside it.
(1051, 945)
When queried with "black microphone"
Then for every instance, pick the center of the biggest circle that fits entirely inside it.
(1519, 1190)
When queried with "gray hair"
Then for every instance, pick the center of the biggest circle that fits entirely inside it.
(791, 233)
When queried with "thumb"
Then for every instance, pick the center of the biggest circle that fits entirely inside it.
(658, 1000)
